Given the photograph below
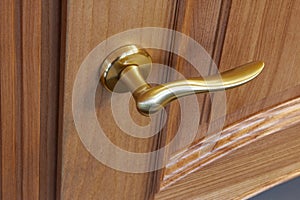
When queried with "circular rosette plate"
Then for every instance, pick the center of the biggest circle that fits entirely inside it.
(118, 60)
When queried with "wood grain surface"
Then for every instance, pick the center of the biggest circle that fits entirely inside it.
(31, 92)
(233, 32)
(88, 23)
(262, 30)
(249, 157)
(246, 31)
(205, 22)
(50, 69)
(11, 176)
(29, 56)
(232, 138)
(238, 32)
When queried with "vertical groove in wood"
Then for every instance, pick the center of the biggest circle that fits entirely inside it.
(216, 53)
(50, 55)
(162, 137)
(18, 39)
(206, 23)
(221, 31)
(61, 78)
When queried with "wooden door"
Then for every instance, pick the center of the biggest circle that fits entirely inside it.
(43, 156)
(233, 33)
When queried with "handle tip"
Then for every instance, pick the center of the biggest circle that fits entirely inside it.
(260, 65)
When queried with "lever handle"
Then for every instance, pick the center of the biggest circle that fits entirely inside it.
(131, 65)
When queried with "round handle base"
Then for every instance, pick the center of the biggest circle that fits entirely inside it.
(118, 60)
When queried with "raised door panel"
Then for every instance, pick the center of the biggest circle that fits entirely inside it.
(238, 32)
(253, 30)
(268, 31)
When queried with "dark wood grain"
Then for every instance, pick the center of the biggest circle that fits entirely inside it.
(50, 62)
(29, 95)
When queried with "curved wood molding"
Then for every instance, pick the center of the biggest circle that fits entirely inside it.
(232, 138)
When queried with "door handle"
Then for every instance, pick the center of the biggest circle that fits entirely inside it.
(131, 65)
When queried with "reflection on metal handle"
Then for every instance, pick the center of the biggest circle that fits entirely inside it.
(131, 65)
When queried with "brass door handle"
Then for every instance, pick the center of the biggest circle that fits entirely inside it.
(131, 65)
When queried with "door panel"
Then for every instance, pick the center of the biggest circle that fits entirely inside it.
(263, 30)
(256, 30)
(250, 33)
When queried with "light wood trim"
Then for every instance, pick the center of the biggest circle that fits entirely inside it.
(268, 151)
